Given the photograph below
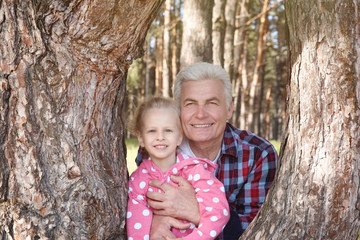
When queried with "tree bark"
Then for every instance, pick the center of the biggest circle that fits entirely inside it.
(316, 194)
(197, 27)
(254, 88)
(230, 14)
(63, 71)
(166, 51)
(218, 31)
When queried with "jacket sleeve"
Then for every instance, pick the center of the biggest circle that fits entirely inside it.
(139, 215)
(214, 208)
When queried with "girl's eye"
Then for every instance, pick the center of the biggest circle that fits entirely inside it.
(168, 130)
(151, 131)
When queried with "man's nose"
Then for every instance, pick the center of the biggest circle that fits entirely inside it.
(201, 112)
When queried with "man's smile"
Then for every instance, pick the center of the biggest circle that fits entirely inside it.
(202, 125)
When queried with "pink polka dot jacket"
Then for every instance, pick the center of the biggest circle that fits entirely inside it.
(210, 193)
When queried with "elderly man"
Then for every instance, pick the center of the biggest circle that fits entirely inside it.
(246, 162)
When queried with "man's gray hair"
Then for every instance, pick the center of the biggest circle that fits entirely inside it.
(203, 71)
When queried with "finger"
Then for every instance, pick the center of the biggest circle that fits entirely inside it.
(179, 224)
(155, 183)
(156, 196)
(156, 205)
(179, 180)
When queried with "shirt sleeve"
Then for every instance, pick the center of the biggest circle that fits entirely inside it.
(258, 183)
(214, 208)
(139, 215)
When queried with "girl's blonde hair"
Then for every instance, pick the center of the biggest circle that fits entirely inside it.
(136, 124)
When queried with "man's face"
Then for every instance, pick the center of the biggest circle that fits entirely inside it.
(203, 110)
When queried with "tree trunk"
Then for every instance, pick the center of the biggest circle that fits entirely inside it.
(230, 14)
(63, 71)
(218, 32)
(316, 194)
(166, 51)
(239, 38)
(197, 27)
(254, 88)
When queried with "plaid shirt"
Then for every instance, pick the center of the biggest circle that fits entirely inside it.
(247, 168)
(247, 165)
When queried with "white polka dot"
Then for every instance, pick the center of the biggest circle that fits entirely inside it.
(168, 179)
(216, 200)
(128, 215)
(142, 185)
(152, 169)
(222, 189)
(145, 171)
(146, 237)
(140, 197)
(213, 218)
(200, 233)
(183, 231)
(137, 226)
(200, 200)
(205, 165)
(225, 212)
(186, 167)
(200, 225)
(192, 226)
(190, 177)
(209, 208)
(206, 190)
(130, 189)
(210, 182)
(197, 177)
(196, 161)
(135, 202)
(213, 233)
(197, 189)
(146, 212)
(130, 238)
(175, 170)
(150, 190)
(132, 178)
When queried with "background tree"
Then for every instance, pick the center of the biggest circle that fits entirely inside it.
(316, 193)
(197, 31)
(242, 25)
(63, 68)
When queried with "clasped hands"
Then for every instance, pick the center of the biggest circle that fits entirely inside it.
(175, 203)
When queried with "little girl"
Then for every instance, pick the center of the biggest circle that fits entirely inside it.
(158, 129)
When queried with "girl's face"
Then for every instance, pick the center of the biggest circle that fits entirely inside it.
(161, 134)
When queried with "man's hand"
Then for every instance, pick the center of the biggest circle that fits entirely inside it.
(161, 227)
(178, 202)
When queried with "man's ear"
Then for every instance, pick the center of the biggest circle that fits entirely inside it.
(230, 110)
(180, 138)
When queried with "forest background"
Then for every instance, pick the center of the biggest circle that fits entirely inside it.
(249, 40)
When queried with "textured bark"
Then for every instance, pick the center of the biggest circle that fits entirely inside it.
(240, 89)
(63, 67)
(218, 31)
(260, 53)
(230, 14)
(197, 27)
(316, 194)
(166, 52)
